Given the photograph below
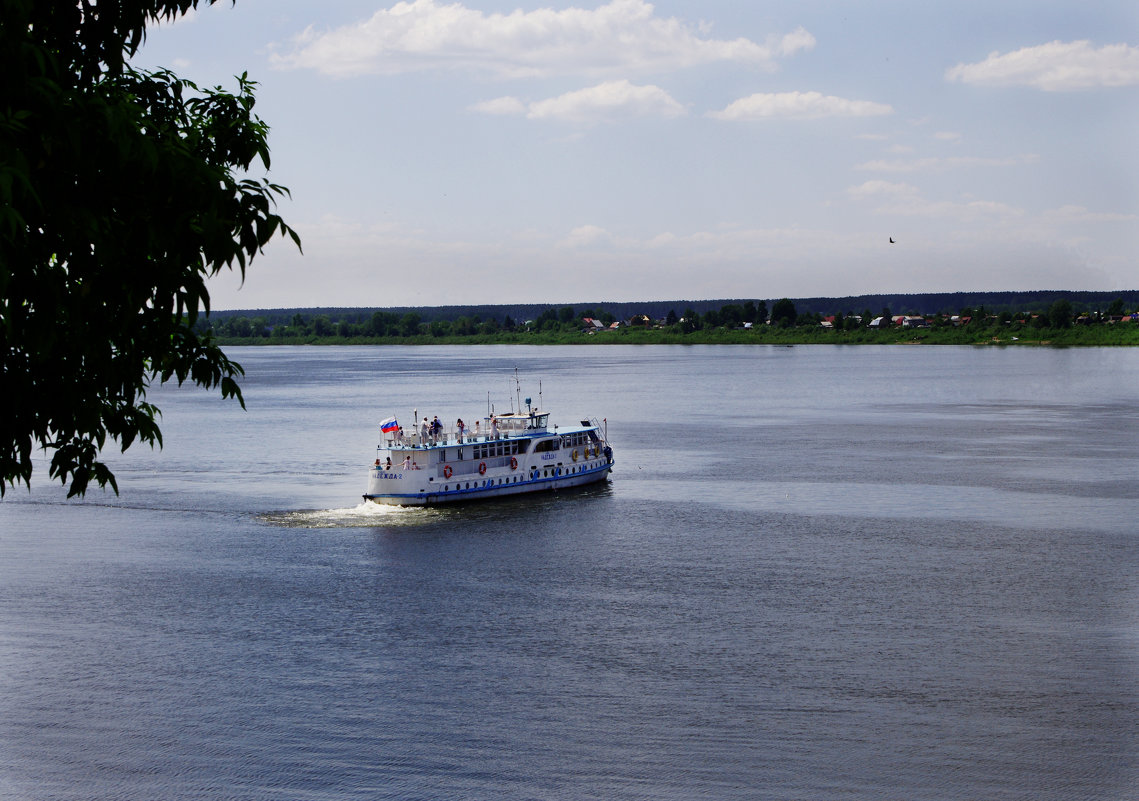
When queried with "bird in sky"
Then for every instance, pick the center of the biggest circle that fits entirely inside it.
(891, 240)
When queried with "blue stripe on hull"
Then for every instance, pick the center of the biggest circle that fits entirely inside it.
(530, 485)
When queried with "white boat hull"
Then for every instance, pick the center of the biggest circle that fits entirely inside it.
(516, 454)
(399, 488)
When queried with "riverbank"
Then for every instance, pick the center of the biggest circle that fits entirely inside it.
(1119, 335)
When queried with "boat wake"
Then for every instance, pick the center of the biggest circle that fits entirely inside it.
(364, 515)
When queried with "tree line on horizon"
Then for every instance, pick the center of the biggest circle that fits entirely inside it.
(783, 314)
(902, 303)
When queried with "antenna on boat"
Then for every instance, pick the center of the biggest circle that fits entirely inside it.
(539, 393)
(517, 391)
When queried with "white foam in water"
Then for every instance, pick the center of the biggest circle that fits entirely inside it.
(363, 514)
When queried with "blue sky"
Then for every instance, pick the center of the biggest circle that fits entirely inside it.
(485, 152)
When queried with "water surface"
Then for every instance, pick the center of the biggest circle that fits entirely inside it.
(817, 573)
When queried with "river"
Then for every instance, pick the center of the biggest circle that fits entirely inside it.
(816, 573)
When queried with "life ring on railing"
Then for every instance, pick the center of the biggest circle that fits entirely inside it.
(482, 468)
(513, 463)
(447, 471)
(574, 454)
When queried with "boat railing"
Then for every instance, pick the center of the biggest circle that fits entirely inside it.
(602, 428)
(449, 436)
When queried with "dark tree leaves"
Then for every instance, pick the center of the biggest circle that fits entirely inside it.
(121, 192)
(783, 313)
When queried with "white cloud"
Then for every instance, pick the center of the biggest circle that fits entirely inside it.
(905, 200)
(1081, 215)
(1055, 67)
(585, 236)
(947, 136)
(798, 39)
(871, 188)
(798, 105)
(942, 246)
(973, 210)
(935, 164)
(623, 35)
(604, 101)
(510, 106)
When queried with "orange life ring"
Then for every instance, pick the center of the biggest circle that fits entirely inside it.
(482, 468)
(513, 463)
(446, 471)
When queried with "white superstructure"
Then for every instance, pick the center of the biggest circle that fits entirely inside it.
(507, 454)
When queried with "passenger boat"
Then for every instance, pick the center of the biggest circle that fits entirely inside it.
(513, 454)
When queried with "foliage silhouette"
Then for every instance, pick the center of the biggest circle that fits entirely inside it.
(121, 192)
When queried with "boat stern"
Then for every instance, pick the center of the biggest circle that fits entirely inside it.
(396, 486)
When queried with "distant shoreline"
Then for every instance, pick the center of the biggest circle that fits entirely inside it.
(1118, 335)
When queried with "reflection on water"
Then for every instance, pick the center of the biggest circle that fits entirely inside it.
(815, 573)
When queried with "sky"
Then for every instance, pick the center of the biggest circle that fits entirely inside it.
(478, 151)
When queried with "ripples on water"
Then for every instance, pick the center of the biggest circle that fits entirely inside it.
(816, 574)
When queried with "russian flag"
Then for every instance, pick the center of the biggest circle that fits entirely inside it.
(389, 426)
